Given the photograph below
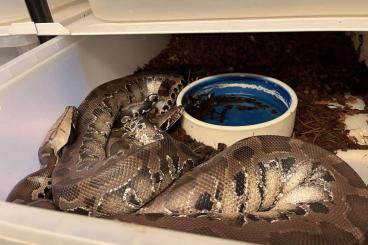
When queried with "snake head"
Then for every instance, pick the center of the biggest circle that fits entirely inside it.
(168, 91)
(168, 119)
(145, 129)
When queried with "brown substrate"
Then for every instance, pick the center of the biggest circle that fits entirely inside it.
(318, 66)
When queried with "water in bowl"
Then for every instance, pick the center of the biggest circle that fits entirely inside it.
(234, 109)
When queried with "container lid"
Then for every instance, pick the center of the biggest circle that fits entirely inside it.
(78, 17)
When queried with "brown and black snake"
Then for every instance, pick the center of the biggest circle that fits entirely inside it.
(119, 162)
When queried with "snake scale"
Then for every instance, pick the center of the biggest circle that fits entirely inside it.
(119, 162)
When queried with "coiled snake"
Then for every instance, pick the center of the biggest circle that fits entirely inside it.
(119, 162)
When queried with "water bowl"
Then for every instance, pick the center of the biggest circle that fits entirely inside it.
(229, 107)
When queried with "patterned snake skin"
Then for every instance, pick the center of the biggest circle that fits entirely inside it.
(264, 189)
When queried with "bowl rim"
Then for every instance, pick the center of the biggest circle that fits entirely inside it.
(291, 109)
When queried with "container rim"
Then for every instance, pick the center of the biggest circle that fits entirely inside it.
(289, 111)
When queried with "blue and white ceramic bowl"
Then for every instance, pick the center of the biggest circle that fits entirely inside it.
(228, 107)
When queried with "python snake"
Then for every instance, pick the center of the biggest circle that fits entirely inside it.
(118, 163)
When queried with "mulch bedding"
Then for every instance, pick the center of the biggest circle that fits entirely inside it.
(320, 67)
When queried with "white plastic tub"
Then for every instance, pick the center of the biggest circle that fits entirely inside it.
(34, 89)
(148, 10)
